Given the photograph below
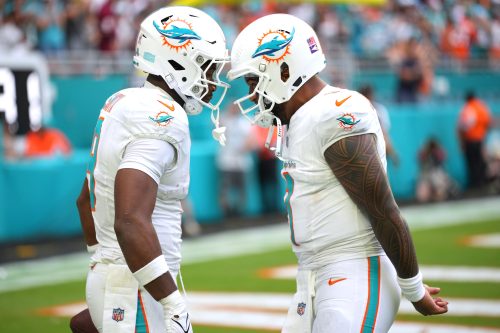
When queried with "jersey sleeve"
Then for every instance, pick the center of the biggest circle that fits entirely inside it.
(155, 117)
(151, 156)
(349, 114)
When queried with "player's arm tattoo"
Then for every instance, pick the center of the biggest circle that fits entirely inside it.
(357, 165)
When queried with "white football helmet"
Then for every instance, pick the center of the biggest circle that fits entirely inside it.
(174, 43)
(262, 49)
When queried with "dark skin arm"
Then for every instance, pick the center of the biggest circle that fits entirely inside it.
(82, 322)
(86, 219)
(135, 197)
(356, 164)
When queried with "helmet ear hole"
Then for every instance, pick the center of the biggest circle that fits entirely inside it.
(297, 82)
(184, 79)
(285, 72)
(175, 65)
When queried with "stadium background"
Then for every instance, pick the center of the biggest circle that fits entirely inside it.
(362, 40)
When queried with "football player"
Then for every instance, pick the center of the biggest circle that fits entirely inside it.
(139, 172)
(354, 249)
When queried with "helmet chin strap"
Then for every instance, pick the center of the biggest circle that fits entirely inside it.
(194, 107)
(264, 119)
(218, 133)
(279, 138)
(191, 106)
(267, 119)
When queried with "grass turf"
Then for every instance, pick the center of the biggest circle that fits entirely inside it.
(19, 310)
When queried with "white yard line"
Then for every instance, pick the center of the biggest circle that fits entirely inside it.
(435, 273)
(267, 311)
(403, 327)
(275, 302)
(50, 271)
(490, 240)
(73, 267)
(452, 213)
(461, 273)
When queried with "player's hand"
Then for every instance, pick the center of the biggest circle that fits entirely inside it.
(177, 319)
(180, 323)
(428, 305)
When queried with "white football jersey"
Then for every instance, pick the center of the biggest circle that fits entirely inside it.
(146, 119)
(326, 226)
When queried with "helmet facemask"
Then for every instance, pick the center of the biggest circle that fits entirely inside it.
(201, 86)
(258, 113)
(261, 113)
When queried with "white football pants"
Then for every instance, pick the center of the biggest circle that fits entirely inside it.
(144, 313)
(352, 296)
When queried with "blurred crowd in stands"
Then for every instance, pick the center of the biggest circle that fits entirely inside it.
(453, 29)
(411, 37)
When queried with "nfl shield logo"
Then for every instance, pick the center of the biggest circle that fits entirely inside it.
(301, 308)
(118, 314)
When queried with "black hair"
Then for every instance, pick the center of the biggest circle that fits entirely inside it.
(366, 90)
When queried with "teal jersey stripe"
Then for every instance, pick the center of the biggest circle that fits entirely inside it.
(93, 161)
(373, 295)
(289, 191)
(140, 319)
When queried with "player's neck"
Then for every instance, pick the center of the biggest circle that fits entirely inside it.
(160, 83)
(305, 93)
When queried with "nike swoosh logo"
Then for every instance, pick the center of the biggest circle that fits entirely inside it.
(212, 42)
(339, 103)
(331, 281)
(170, 107)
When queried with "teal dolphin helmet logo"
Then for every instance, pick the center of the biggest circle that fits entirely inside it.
(176, 33)
(273, 45)
(347, 121)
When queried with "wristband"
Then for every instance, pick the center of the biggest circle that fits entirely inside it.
(92, 248)
(151, 271)
(413, 288)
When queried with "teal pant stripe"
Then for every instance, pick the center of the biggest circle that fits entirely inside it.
(140, 322)
(373, 297)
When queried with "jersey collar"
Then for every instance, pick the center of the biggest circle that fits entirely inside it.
(149, 85)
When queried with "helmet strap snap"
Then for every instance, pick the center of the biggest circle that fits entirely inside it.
(191, 106)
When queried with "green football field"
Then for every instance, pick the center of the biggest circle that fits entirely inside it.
(467, 272)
